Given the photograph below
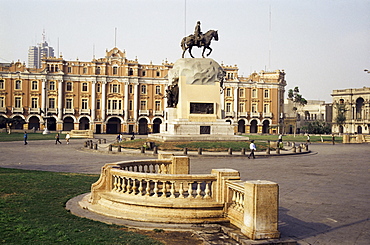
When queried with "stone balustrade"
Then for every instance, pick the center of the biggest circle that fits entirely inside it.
(162, 190)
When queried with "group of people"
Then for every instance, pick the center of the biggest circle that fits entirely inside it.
(57, 138)
(119, 137)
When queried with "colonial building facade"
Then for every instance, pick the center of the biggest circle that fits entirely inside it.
(117, 95)
(354, 105)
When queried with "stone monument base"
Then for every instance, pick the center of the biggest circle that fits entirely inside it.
(164, 137)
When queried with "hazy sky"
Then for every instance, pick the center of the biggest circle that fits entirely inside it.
(321, 44)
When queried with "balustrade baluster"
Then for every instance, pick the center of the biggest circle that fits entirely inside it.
(181, 190)
(199, 191)
(147, 168)
(190, 190)
(237, 201)
(233, 199)
(147, 190)
(119, 184)
(128, 186)
(141, 187)
(172, 189)
(155, 190)
(207, 191)
(153, 170)
(134, 187)
(164, 189)
(123, 185)
(241, 202)
(114, 183)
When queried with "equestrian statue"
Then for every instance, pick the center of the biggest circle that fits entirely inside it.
(198, 39)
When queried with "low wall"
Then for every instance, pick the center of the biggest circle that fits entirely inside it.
(163, 191)
(82, 134)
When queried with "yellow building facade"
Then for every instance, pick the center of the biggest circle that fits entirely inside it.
(117, 95)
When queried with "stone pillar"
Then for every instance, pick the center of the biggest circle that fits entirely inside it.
(125, 103)
(136, 101)
(60, 100)
(93, 101)
(220, 190)
(103, 101)
(180, 165)
(43, 95)
(261, 209)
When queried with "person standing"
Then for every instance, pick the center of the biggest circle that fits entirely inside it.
(25, 136)
(333, 139)
(67, 138)
(57, 139)
(308, 139)
(253, 148)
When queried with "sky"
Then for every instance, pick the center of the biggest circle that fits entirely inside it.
(321, 45)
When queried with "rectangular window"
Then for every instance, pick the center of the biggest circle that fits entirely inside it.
(98, 104)
(52, 86)
(157, 89)
(130, 89)
(266, 108)
(69, 69)
(68, 103)
(84, 104)
(18, 84)
(254, 108)
(157, 105)
(34, 103)
(241, 93)
(266, 93)
(228, 92)
(115, 70)
(228, 107)
(69, 86)
(52, 103)
(85, 70)
(2, 102)
(34, 85)
(241, 107)
(2, 84)
(143, 89)
(98, 87)
(18, 102)
(115, 88)
(84, 87)
(143, 105)
(130, 107)
(254, 93)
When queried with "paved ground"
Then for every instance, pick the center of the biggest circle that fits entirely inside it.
(324, 195)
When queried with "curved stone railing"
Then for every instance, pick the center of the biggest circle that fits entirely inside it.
(163, 191)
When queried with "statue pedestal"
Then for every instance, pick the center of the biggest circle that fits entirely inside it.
(197, 115)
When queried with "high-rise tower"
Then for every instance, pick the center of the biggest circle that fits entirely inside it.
(36, 53)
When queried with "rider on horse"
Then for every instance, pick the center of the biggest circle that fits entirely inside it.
(198, 35)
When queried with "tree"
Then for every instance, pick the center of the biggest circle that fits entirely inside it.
(317, 127)
(298, 100)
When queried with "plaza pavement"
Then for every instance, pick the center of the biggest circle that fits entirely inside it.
(324, 195)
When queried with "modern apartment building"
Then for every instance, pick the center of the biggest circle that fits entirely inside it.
(117, 95)
(37, 53)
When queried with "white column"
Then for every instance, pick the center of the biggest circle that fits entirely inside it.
(236, 102)
(126, 102)
(43, 95)
(60, 100)
(136, 101)
(103, 100)
(93, 102)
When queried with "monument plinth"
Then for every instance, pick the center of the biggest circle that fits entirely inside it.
(194, 104)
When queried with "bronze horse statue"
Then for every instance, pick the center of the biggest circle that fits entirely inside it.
(190, 41)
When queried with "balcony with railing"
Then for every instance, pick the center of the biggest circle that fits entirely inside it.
(164, 186)
(68, 111)
(144, 112)
(84, 111)
(17, 110)
(52, 110)
(34, 110)
(2, 109)
(114, 112)
(267, 115)
(242, 114)
(159, 113)
(255, 114)
(229, 114)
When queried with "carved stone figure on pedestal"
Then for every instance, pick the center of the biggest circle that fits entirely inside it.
(173, 93)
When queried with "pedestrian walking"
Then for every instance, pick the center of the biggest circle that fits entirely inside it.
(253, 148)
(25, 136)
(68, 136)
(333, 139)
(308, 139)
(57, 139)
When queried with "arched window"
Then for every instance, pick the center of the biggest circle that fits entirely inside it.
(84, 87)
(254, 93)
(52, 85)
(68, 86)
(34, 85)
(115, 70)
(18, 84)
